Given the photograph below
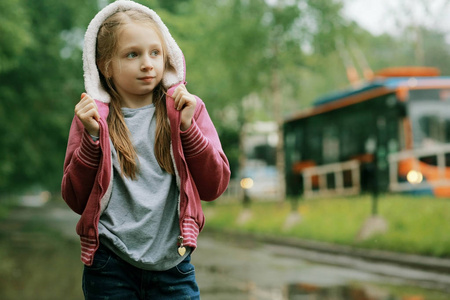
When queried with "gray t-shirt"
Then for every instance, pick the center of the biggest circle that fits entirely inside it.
(140, 223)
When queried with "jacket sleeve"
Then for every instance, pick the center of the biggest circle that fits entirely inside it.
(204, 156)
(80, 167)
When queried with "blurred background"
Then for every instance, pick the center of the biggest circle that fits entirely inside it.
(334, 115)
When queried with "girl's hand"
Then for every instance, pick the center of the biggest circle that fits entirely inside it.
(186, 103)
(87, 111)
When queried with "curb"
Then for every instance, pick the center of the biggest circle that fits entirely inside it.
(426, 263)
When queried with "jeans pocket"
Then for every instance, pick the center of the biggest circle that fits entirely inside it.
(101, 258)
(185, 267)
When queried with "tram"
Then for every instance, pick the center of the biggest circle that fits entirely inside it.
(389, 134)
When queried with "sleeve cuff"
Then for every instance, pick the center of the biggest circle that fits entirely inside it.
(193, 140)
(89, 152)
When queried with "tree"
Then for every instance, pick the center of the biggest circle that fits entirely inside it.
(237, 45)
(39, 91)
(15, 34)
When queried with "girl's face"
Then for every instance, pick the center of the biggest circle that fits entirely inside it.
(138, 65)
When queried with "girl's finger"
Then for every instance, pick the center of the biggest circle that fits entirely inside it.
(84, 107)
(96, 116)
(178, 100)
(180, 104)
(175, 94)
(86, 103)
(179, 90)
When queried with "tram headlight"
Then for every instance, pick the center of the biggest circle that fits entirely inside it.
(414, 177)
(247, 183)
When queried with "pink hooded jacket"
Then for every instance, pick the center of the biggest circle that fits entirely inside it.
(202, 169)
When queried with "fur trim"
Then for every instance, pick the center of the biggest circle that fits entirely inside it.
(174, 74)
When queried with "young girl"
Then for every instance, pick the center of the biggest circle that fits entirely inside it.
(142, 152)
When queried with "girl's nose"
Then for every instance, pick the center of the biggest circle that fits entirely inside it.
(146, 63)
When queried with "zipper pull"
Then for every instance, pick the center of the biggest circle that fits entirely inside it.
(181, 248)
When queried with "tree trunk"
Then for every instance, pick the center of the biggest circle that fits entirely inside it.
(278, 108)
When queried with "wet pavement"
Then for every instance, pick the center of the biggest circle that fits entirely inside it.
(229, 268)
(236, 267)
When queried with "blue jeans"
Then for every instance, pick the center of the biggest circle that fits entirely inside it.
(112, 278)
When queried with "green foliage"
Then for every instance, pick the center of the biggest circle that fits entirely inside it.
(436, 53)
(38, 95)
(414, 224)
(14, 33)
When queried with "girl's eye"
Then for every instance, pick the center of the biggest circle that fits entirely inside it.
(131, 55)
(155, 53)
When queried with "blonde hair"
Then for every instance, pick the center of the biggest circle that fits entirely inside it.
(120, 135)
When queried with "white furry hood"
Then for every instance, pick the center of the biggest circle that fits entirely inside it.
(174, 74)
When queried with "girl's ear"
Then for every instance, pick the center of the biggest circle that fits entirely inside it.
(107, 75)
(105, 71)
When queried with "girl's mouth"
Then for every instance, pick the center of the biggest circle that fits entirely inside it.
(146, 78)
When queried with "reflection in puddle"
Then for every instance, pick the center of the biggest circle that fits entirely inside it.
(302, 291)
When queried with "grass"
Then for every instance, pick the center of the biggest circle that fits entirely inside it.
(415, 224)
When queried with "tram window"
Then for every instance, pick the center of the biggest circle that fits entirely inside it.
(349, 146)
(433, 129)
(355, 131)
(392, 134)
(293, 145)
(430, 122)
(330, 144)
(313, 137)
(427, 94)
